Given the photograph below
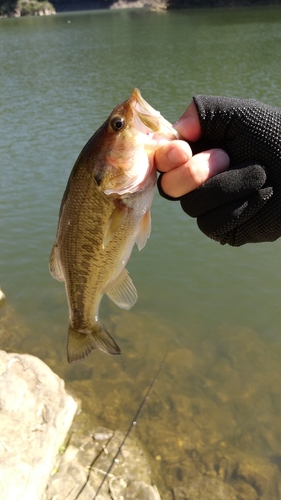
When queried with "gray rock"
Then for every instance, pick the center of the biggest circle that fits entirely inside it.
(85, 464)
(35, 416)
(140, 4)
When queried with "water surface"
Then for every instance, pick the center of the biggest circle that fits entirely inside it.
(218, 395)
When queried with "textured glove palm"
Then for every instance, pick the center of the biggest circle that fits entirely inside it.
(243, 204)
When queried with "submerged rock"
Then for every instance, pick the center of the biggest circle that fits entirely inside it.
(89, 461)
(205, 489)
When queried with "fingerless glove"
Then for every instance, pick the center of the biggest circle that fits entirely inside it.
(243, 204)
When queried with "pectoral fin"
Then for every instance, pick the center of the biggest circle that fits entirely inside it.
(144, 230)
(122, 291)
(114, 223)
(55, 264)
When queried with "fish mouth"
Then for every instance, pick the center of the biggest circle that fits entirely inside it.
(147, 114)
(147, 120)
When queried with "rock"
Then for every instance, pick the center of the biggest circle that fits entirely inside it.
(139, 4)
(260, 474)
(20, 8)
(205, 489)
(2, 296)
(45, 455)
(13, 330)
(86, 462)
(35, 416)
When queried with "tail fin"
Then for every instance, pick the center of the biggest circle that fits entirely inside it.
(79, 345)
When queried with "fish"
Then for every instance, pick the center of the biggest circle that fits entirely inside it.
(104, 211)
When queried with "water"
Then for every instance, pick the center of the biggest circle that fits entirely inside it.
(218, 394)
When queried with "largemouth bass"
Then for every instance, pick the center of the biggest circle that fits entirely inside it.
(104, 211)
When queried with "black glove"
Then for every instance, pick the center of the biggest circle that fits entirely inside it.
(243, 204)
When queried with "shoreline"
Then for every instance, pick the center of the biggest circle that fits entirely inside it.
(45, 8)
(72, 6)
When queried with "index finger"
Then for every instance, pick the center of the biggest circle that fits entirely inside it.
(172, 155)
(193, 173)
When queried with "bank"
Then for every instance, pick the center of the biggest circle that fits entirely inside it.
(18, 8)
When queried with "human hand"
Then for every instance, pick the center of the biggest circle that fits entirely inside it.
(183, 172)
(242, 204)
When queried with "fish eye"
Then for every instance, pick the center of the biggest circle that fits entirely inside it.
(117, 123)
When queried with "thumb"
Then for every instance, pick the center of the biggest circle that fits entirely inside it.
(188, 125)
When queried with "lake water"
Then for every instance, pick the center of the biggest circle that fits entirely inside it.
(215, 411)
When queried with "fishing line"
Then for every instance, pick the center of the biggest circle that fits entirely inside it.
(134, 421)
(90, 468)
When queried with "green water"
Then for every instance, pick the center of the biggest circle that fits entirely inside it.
(218, 396)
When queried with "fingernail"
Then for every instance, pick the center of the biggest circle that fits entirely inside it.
(189, 128)
(177, 155)
(219, 160)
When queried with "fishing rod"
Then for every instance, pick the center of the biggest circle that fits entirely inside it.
(134, 421)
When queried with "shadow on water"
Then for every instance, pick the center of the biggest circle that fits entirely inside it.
(213, 417)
